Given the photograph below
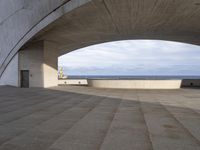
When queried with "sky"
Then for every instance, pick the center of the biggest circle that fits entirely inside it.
(133, 57)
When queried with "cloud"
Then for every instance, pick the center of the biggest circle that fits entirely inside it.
(134, 57)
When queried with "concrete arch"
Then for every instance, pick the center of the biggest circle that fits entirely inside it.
(78, 23)
(109, 20)
(41, 15)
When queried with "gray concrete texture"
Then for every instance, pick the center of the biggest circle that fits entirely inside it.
(41, 60)
(22, 19)
(77, 23)
(82, 118)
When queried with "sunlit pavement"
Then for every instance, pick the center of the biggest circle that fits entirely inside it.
(82, 118)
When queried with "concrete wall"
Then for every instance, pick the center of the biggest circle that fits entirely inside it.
(133, 84)
(190, 83)
(20, 20)
(10, 76)
(32, 59)
(40, 59)
(136, 84)
(50, 65)
(72, 82)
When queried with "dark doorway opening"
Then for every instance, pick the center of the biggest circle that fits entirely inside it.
(24, 78)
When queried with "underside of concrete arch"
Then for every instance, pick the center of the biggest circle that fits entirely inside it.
(110, 20)
(79, 23)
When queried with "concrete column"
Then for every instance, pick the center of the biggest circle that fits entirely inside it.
(40, 59)
(50, 66)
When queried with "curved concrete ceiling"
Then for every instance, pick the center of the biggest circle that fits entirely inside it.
(85, 22)
(109, 20)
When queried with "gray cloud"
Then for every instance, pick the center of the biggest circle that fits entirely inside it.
(137, 57)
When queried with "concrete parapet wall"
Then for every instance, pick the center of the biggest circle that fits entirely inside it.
(136, 84)
(73, 82)
(190, 83)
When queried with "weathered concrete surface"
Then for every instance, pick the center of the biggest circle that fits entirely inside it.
(40, 59)
(32, 58)
(108, 20)
(11, 74)
(21, 20)
(80, 23)
(17, 18)
(93, 119)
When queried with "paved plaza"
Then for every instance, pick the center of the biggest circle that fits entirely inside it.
(83, 118)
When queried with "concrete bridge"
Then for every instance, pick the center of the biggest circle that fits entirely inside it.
(34, 33)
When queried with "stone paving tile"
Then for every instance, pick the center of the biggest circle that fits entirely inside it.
(128, 130)
(41, 138)
(92, 127)
(82, 118)
(188, 117)
(16, 114)
(165, 130)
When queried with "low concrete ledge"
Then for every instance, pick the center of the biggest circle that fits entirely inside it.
(73, 82)
(124, 84)
(190, 83)
(132, 84)
(136, 84)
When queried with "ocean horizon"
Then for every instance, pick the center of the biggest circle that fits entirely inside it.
(135, 77)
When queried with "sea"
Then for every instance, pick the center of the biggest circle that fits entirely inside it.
(125, 77)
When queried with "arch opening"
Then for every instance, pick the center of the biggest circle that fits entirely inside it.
(137, 57)
(133, 60)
